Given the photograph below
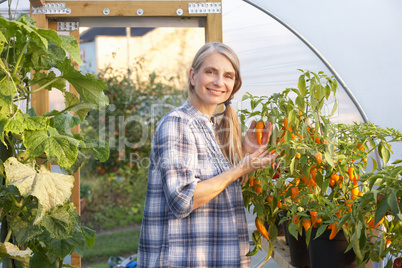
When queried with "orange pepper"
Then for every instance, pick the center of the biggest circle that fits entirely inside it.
(314, 218)
(251, 181)
(295, 193)
(389, 240)
(351, 174)
(306, 224)
(349, 203)
(270, 199)
(354, 192)
(335, 177)
(257, 186)
(371, 223)
(332, 227)
(259, 131)
(313, 172)
(296, 219)
(261, 229)
(318, 157)
(285, 122)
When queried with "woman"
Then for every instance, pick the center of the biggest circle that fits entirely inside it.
(194, 214)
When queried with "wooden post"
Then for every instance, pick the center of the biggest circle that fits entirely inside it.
(213, 28)
(40, 99)
(75, 193)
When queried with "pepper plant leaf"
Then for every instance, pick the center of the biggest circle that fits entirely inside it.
(51, 189)
(393, 205)
(382, 208)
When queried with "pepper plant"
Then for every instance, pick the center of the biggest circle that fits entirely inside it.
(39, 225)
(317, 179)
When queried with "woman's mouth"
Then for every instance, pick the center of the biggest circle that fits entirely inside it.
(216, 92)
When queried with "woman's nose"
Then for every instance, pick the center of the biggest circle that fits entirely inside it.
(218, 80)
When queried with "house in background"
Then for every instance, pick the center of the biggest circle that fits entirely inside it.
(167, 51)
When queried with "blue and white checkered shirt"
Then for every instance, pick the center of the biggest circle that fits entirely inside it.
(185, 151)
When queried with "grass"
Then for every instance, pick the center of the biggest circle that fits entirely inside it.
(121, 243)
(99, 266)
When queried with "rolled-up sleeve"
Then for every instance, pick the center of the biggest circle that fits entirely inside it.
(178, 163)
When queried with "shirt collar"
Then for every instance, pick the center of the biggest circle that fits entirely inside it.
(192, 111)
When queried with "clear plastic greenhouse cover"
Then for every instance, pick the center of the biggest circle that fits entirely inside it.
(360, 40)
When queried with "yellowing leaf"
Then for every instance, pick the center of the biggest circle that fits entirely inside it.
(8, 250)
(51, 189)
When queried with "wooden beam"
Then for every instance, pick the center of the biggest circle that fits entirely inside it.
(37, 3)
(213, 28)
(127, 8)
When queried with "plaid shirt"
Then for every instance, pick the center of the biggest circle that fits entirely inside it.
(184, 152)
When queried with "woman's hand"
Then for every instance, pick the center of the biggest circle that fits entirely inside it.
(250, 144)
(257, 160)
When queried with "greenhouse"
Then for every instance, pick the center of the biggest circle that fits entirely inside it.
(82, 98)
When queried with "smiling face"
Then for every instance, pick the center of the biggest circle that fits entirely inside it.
(213, 82)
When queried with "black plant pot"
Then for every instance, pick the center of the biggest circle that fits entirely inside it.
(330, 253)
(299, 256)
(284, 227)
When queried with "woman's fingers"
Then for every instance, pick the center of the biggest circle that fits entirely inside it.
(267, 133)
(261, 158)
(252, 126)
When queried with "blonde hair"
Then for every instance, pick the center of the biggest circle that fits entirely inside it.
(228, 130)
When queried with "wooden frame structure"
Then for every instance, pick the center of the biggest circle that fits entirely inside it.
(149, 9)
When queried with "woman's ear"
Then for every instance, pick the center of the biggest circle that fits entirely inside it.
(192, 76)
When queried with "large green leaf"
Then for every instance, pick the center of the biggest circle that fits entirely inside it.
(89, 235)
(65, 121)
(36, 122)
(40, 60)
(39, 260)
(8, 250)
(3, 39)
(59, 222)
(79, 108)
(7, 92)
(51, 189)
(70, 45)
(24, 230)
(49, 81)
(88, 86)
(51, 143)
(15, 124)
(81, 158)
(61, 248)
